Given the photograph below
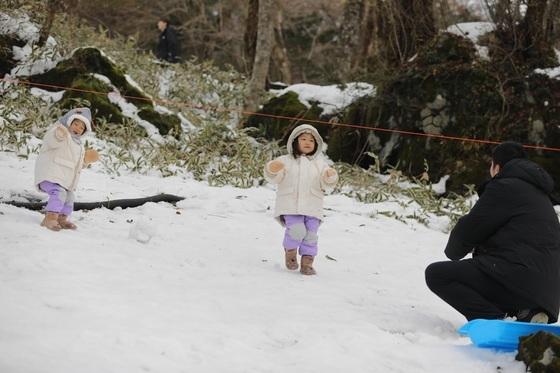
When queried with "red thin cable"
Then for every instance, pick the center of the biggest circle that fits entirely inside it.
(347, 125)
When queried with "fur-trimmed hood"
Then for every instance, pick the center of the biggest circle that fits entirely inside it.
(305, 128)
(82, 113)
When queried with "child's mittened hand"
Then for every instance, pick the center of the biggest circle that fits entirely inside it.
(60, 133)
(90, 156)
(276, 166)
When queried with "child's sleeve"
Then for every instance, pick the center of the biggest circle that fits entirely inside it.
(274, 177)
(60, 133)
(55, 136)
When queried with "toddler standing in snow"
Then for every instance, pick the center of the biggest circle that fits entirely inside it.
(302, 176)
(60, 161)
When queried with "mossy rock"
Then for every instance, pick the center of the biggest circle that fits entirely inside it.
(446, 48)
(86, 61)
(347, 144)
(473, 103)
(165, 123)
(100, 105)
(7, 63)
(540, 352)
(76, 72)
(287, 105)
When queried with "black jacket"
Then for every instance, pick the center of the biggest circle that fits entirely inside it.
(168, 46)
(515, 234)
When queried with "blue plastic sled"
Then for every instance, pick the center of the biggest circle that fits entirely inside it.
(502, 334)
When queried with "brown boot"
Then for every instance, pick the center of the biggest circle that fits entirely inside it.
(65, 224)
(51, 221)
(307, 265)
(291, 259)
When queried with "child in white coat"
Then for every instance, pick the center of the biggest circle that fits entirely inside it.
(58, 166)
(302, 176)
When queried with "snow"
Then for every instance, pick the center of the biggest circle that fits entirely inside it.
(201, 287)
(473, 31)
(104, 79)
(21, 26)
(552, 72)
(32, 60)
(129, 110)
(134, 84)
(440, 186)
(47, 96)
(332, 98)
(165, 80)
(186, 124)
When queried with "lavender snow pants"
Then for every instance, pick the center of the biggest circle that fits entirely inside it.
(301, 232)
(61, 200)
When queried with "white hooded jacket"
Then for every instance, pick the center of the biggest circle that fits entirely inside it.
(61, 158)
(302, 181)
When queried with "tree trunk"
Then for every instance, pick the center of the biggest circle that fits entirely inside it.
(525, 41)
(265, 39)
(552, 22)
(423, 22)
(250, 37)
(350, 33)
(534, 24)
(367, 39)
(52, 8)
(280, 53)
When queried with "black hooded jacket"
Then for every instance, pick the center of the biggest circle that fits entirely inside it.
(515, 234)
(168, 45)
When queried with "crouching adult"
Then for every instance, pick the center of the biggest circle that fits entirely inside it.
(513, 234)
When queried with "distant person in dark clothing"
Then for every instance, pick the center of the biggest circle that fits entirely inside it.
(513, 234)
(168, 45)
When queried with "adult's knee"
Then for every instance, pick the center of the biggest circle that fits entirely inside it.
(435, 275)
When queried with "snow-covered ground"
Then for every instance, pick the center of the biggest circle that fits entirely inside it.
(201, 287)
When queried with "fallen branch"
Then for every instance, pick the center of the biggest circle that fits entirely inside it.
(110, 204)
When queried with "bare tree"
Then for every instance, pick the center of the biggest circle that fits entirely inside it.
(53, 6)
(261, 65)
(352, 17)
(280, 53)
(251, 32)
(403, 27)
(526, 31)
(367, 45)
(250, 37)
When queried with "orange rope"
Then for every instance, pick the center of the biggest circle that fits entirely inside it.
(347, 125)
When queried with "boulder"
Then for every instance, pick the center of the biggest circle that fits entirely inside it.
(78, 72)
(448, 90)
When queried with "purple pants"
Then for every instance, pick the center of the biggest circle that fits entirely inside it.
(301, 232)
(61, 200)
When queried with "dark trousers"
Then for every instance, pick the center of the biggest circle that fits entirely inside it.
(471, 292)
